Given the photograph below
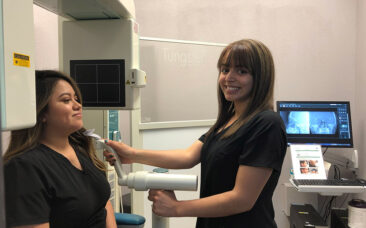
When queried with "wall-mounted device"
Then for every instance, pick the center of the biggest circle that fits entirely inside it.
(102, 57)
(17, 78)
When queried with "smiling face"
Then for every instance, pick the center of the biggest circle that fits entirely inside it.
(64, 112)
(236, 83)
(246, 78)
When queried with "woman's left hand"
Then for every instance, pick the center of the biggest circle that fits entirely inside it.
(164, 202)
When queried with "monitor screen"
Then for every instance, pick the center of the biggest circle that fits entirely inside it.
(327, 123)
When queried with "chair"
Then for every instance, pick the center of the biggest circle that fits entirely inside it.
(125, 220)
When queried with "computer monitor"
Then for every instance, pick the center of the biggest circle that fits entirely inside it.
(327, 123)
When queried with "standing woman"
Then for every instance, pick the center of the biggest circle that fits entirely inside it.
(52, 175)
(241, 155)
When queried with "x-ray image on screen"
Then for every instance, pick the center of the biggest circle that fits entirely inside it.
(327, 123)
(304, 122)
(298, 122)
(323, 123)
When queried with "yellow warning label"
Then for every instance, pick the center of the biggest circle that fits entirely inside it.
(128, 82)
(21, 60)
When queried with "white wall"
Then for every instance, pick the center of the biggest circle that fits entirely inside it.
(5, 137)
(46, 38)
(165, 139)
(313, 42)
(360, 85)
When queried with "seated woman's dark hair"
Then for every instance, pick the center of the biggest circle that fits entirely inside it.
(28, 138)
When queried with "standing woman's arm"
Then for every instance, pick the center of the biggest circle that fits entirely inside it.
(249, 183)
(169, 159)
(110, 220)
(44, 225)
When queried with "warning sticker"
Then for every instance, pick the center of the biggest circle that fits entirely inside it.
(21, 60)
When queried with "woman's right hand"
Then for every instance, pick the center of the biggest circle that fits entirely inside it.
(125, 152)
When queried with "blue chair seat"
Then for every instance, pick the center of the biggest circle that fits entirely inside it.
(129, 219)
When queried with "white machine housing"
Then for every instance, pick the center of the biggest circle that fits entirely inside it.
(143, 180)
(17, 79)
(106, 40)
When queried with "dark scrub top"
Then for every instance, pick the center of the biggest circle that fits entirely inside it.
(42, 186)
(261, 142)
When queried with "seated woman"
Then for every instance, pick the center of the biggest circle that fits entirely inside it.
(52, 175)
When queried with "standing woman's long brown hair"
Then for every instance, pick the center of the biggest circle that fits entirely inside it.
(26, 139)
(257, 59)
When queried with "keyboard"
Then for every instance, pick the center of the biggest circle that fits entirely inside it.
(335, 182)
(329, 186)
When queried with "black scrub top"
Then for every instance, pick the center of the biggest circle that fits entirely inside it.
(261, 142)
(42, 186)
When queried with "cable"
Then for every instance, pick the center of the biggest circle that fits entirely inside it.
(344, 200)
(337, 172)
(326, 148)
(322, 207)
(328, 209)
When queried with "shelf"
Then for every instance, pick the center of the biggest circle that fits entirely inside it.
(329, 190)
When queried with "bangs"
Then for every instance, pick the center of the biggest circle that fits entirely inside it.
(236, 55)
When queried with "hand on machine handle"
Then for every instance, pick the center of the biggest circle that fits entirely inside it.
(121, 149)
(109, 146)
(165, 202)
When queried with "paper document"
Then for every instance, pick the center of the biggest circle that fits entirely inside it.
(307, 161)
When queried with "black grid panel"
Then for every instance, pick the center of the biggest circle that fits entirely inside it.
(101, 82)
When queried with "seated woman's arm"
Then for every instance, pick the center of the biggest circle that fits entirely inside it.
(110, 220)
